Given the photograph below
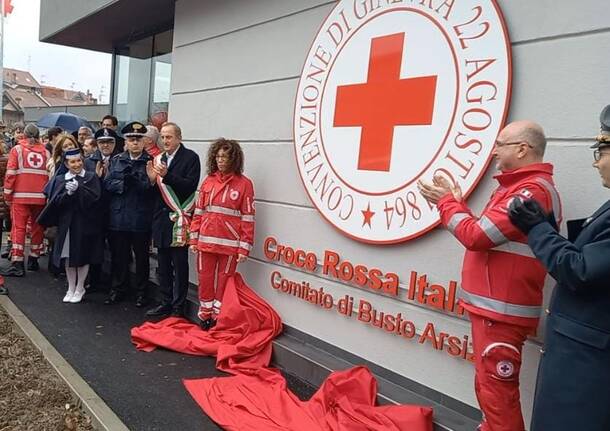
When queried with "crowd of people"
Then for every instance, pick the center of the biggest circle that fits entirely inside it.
(77, 195)
(90, 192)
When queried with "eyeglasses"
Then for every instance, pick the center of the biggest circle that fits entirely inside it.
(105, 142)
(506, 144)
(597, 155)
(222, 157)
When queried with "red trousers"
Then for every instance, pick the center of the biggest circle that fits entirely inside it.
(497, 349)
(20, 215)
(214, 270)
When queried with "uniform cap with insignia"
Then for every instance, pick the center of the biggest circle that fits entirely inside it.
(603, 138)
(135, 129)
(106, 134)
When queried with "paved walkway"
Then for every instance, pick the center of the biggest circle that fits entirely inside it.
(144, 389)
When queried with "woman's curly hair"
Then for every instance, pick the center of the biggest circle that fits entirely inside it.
(233, 150)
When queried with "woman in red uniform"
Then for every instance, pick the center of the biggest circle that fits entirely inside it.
(222, 229)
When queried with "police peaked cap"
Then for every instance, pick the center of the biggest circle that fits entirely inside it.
(603, 138)
(134, 129)
(105, 133)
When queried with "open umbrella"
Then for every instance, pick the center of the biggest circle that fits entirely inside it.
(67, 121)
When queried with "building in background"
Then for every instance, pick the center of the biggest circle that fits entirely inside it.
(25, 99)
(232, 69)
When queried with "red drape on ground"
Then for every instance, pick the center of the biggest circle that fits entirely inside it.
(256, 397)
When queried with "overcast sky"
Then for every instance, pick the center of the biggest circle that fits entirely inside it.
(51, 64)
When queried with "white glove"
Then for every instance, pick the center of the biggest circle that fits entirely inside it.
(71, 186)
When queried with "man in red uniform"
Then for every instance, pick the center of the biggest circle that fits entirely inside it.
(26, 177)
(501, 279)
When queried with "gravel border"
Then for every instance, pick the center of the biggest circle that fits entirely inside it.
(102, 417)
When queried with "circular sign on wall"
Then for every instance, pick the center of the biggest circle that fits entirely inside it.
(396, 91)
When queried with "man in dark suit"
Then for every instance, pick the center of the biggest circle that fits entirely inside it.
(574, 373)
(176, 175)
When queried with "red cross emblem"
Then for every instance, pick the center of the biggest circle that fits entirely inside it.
(383, 102)
(395, 92)
(35, 160)
(505, 369)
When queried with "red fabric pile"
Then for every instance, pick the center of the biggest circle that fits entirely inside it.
(256, 397)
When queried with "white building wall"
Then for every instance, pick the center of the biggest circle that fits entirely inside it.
(235, 70)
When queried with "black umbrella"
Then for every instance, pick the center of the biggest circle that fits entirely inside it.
(67, 121)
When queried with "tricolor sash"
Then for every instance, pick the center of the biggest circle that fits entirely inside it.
(181, 211)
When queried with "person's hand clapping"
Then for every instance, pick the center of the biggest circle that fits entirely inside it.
(241, 258)
(160, 169)
(71, 186)
(151, 172)
(434, 191)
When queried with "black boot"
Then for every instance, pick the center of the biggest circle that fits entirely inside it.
(16, 269)
(207, 324)
(3, 290)
(33, 264)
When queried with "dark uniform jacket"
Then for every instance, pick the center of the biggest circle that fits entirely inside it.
(131, 194)
(183, 177)
(79, 213)
(573, 388)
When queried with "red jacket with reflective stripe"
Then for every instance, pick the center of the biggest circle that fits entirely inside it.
(26, 174)
(501, 278)
(223, 220)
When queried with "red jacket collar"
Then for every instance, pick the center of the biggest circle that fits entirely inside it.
(511, 177)
(222, 178)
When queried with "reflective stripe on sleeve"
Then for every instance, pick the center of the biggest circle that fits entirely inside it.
(247, 218)
(514, 247)
(528, 311)
(245, 245)
(492, 231)
(554, 197)
(455, 220)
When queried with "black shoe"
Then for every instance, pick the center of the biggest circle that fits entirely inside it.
(16, 269)
(33, 264)
(113, 298)
(140, 301)
(208, 324)
(177, 312)
(3, 290)
(159, 310)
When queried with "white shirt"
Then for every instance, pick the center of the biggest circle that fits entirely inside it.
(170, 157)
(69, 175)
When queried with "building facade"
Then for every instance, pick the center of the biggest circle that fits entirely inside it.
(232, 69)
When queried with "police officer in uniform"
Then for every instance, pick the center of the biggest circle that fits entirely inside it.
(572, 391)
(130, 218)
(99, 162)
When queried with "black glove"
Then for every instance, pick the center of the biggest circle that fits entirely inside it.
(526, 214)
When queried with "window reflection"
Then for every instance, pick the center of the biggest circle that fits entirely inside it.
(142, 79)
